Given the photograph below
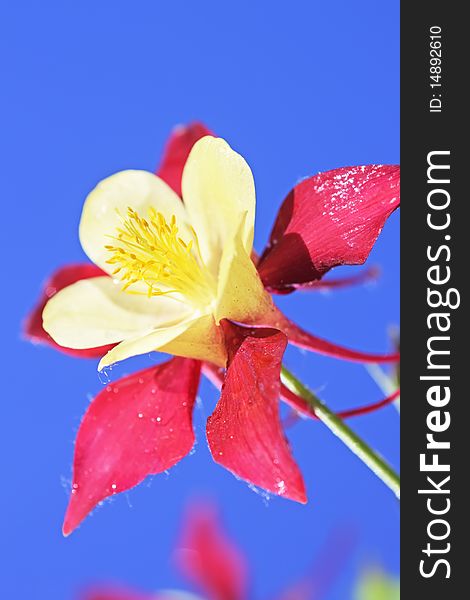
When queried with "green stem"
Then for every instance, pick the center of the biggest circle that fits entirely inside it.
(377, 464)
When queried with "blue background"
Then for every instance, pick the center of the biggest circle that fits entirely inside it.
(95, 87)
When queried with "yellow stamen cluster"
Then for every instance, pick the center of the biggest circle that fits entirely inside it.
(150, 251)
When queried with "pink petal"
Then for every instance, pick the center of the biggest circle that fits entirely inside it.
(64, 276)
(138, 426)
(327, 220)
(209, 559)
(176, 152)
(113, 592)
(244, 432)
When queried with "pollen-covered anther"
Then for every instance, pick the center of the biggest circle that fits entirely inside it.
(151, 251)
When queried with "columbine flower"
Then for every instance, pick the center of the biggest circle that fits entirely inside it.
(182, 278)
(219, 570)
(177, 270)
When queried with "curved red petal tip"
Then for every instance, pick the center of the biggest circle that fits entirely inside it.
(244, 432)
(208, 558)
(319, 285)
(301, 406)
(63, 277)
(303, 339)
(328, 220)
(369, 408)
(137, 426)
(176, 152)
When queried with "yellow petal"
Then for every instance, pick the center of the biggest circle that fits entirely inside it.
(241, 295)
(94, 312)
(203, 340)
(139, 190)
(218, 188)
(192, 338)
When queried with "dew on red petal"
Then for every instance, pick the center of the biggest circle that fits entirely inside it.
(118, 443)
(281, 486)
(251, 412)
(330, 219)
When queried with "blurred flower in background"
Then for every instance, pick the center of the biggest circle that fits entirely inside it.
(218, 570)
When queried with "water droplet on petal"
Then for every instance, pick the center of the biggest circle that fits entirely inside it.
(281, 486)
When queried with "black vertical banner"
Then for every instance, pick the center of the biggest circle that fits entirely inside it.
(435, 327)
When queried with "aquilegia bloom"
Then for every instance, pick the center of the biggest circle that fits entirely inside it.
(182, 278)
(219, 570)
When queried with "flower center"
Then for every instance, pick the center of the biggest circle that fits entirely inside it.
(150, 251)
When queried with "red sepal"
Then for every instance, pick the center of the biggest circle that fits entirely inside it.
(137, 426)
(209, 559)
(326, 285)
(63, 277)
(327, 220)
(303, 339)
(244, 432)
(302, 407)
(177, 150)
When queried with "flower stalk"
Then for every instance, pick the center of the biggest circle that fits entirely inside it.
(362, 450)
